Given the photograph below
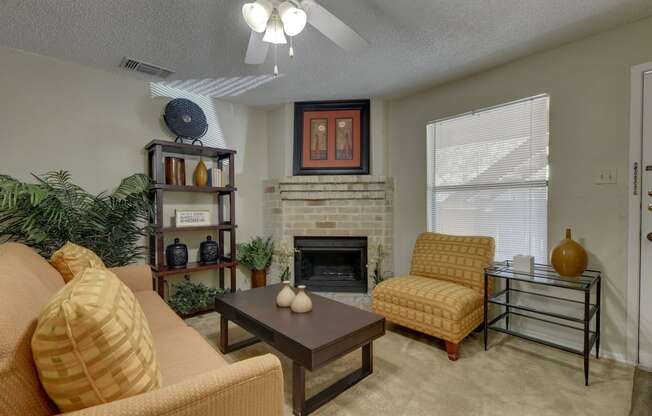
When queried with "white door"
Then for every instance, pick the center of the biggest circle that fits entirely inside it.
(645, 325)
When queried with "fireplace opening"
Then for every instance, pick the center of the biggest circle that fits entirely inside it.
(331, 264)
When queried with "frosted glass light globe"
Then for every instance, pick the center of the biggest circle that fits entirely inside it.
(257, 14)
(294, 18)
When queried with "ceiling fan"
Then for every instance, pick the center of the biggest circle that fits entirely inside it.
(271, 20)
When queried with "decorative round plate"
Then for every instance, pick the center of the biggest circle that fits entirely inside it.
(185, 118)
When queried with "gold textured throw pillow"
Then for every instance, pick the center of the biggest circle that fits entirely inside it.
(92, 344)
(72, 259)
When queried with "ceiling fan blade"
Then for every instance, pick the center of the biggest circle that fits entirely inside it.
(257, 49)
(332, 27)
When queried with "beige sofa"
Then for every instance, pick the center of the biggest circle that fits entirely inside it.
(196, 379)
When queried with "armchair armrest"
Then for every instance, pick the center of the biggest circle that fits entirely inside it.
(251, 387)
(137, 277)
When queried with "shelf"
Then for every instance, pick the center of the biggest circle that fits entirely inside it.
(545, 275)
(190, 149)
(190, 188)
(546, 305)
(212, 227)
(224, 203)
(530, 336)
(193, 268)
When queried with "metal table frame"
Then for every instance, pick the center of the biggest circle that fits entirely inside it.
(546, 276)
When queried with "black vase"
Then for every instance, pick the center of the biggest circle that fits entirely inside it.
(208, 251)
(176, 255)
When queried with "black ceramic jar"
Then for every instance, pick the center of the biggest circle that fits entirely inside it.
(208, 251)
(176, 255)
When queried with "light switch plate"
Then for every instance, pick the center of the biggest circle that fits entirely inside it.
(606, 177)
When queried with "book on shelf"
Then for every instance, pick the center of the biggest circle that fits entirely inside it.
(216, 178)
(224, 176)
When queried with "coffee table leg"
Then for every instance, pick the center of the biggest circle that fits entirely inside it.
(298, 389)
(367, 359)
(302, 407)
(224, 335)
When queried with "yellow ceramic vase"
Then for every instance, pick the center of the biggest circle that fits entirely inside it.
(200, 176)
(569, 258)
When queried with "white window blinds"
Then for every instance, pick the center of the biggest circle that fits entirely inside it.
(488, 175)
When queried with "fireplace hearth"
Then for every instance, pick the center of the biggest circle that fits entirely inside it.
(331, 264)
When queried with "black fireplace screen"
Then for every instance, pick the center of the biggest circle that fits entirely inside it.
(331, 264)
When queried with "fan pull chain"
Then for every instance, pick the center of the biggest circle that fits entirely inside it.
(275, 60)
(291, 47)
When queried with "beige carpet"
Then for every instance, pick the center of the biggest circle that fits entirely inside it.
(413, 377)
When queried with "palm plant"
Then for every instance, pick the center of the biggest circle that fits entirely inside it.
(48, 213)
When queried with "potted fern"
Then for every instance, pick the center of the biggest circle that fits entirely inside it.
(257, 256)
(52, 210)
(190, 298)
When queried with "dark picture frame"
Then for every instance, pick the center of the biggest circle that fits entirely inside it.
(358, 164)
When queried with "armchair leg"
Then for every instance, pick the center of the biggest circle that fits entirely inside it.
(453, 351)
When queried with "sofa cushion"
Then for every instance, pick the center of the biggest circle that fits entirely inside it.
(435, 307)
(72, 259)
(92, 344)
(453, 258)
(27, 281)
(183, 354)
(158, 313)
(431, 296)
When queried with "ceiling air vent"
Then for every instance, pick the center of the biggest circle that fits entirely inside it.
(145, 68)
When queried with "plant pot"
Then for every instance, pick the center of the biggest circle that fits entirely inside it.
(258, 278)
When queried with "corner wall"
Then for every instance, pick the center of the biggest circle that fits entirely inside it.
(588, 83)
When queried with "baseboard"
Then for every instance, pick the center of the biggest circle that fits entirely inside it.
(615, 356)
(645, 368)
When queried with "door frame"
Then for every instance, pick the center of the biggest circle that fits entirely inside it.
(638, 73)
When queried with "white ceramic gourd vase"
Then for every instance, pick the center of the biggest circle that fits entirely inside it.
(301, 302)
(285, 295)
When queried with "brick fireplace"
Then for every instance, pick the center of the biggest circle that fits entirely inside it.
(349, 206)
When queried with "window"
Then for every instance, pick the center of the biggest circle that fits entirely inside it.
(488, 175)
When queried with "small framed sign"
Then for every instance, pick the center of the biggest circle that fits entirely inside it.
(192, 218)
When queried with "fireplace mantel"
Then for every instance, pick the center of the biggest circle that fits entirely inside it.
(330, 205)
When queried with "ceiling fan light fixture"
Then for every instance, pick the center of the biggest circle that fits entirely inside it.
(257, 14)
(274, 33)
(293, 17)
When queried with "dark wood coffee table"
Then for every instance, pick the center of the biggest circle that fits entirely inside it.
(311, 340)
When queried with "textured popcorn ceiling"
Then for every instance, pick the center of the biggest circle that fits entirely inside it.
(414, 43)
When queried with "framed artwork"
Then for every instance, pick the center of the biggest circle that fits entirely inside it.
(331, 138)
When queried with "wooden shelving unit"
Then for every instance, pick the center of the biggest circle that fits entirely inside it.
(156, 150)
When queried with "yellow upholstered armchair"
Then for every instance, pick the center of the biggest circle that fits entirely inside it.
(443, 294)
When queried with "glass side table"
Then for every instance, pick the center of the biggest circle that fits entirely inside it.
(522, 304)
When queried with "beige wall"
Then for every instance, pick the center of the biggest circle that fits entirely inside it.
(588, 82)
(61, 115)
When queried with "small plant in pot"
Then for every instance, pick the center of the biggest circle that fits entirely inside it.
(285, 255)
(257, 256)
